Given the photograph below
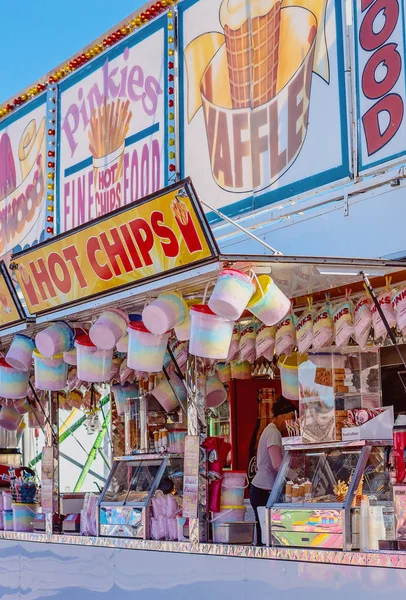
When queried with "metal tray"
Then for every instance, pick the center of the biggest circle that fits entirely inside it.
(236, 532)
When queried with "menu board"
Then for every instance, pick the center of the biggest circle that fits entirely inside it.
(191, 477)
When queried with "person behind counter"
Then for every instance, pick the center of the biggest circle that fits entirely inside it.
(269, 457)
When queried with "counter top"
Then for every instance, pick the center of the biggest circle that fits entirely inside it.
(389, 559)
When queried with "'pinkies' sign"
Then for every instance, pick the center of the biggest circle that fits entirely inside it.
(160, 234)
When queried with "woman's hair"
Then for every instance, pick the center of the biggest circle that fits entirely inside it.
(283, 406)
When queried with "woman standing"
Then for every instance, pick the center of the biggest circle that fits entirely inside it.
(269, 457)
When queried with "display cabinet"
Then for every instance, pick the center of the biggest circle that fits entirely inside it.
(317, 489)
(125, 503)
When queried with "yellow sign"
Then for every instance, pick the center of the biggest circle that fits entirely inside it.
(10, 309)
(162, 233)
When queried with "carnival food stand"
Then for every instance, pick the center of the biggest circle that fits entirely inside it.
(168, 490)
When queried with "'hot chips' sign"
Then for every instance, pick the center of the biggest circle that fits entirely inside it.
(161, 234)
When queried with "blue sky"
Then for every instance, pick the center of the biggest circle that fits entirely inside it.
(38, 36)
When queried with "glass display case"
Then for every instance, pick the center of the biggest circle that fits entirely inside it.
(319, 487)
(125, 503)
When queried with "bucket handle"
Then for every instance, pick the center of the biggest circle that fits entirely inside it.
(255, 276)
(222, 515)
(206, 290)
(236, 487)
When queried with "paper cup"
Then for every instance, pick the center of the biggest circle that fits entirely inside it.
(20, 352)
(108, 329)
(164, 313)
(55, 339)
(231, 294)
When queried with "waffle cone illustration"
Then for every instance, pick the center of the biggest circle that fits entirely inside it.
(252, 32)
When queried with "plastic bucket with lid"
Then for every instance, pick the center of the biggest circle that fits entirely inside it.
(122, 344)
(23, 516)
(210, 335)
(227, 514)
(13, 383)
(168, 393)
(121, 393)
(9, 418)
(233, 486)
(55, 339)
(22, 406)
(94, 364)
(20, 352)
(269, 304)
(146, 351)
(164, 313)
(216, 393)
(51, 373)
(288, 366)
(70, 357)
(109, 327)
(182, 331)
(240, 370)
(231, 294)
(7, 501)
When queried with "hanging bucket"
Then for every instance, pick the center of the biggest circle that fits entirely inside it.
(10, 419)
(182, 331)
(7, 501)
(288, 366)
(13, 383)
(22, 406)
(110, 326)
(233, 486)
(20, 352)
(269, 304)
(94, 364)
(70, 357)
(23, 516)
(210, 335)
(231, 294)
(51, 373)
(165, 313)
(216, 393)
(146, 351)
(240, 370)
(55, 339)
(168, 394)
(177, 441)
(121, 393)
(224, 372)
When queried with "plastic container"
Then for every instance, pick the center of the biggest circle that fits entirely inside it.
(240, 370)
(51, 374)
(55, 339)
(8, 520)
(177, 441)
(10, 419)
(233, 486)
(236, 532)
(70, 357)
(13, 383)
(20, 352)
(288, 366)
(7, 502)
(146, 351)
(94, 364)
(216, 393)
(23, 516)
(227, 514)
(164, 313)
(269, 304)
(108, 329)
(22, 406)
(224, 372)
(210, 335)
(231, 294)
(122, 344)
(121, 393)
(1, 521)
(169, 394)
(182, 331)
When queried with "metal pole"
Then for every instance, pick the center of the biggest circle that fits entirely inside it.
(93, 453)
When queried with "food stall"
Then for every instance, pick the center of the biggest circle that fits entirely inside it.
(170, 490)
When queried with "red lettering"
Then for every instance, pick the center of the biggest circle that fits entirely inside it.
(375, 138)
(42, 279)
(390, 58)
(114, 250)
(171, 246)
(369, 38)
(144, 239)
(71, 255)
(241, 149)
(131, 247)
(64, 283)
(102, 271)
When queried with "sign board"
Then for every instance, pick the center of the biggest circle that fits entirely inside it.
(191, 477)
(113, 128)
(162, 233)
(381, 87)
(263, 94)
(23, 177)
(11, 311)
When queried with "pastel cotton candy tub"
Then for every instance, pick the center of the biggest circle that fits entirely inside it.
(146, 351)
(8, 520)
(216, 393)
(210, 335)
(288, 366)
(51, 373)
(108, 329)
(94, 364)
(269, 304)
(122, 393)
(233, 486)
(13, 383)
(55, 339)
(166, 312)
(23, 516)
(10, 419)
(168, 393)
(20, 352)
(231, 294)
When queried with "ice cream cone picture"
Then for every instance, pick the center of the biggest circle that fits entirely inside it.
(31, 144)
(109, 126)
(248, 81)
